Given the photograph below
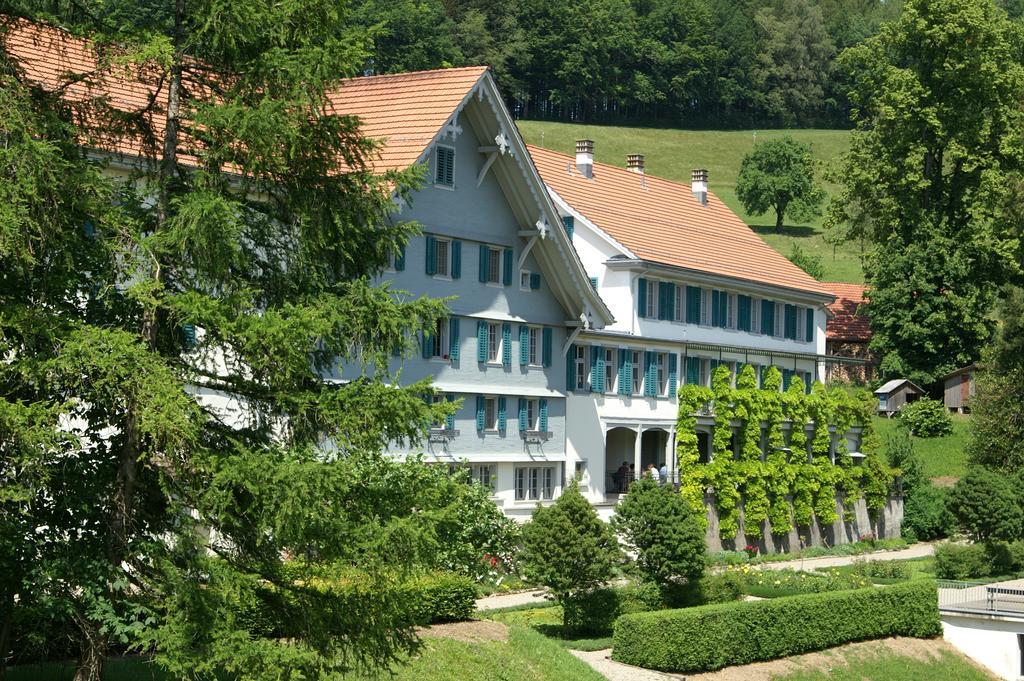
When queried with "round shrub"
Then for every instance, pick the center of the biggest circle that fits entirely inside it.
(961, 561)
(926, 418)
(986, 506)
(926, 513)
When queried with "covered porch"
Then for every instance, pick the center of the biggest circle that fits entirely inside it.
(630, 448)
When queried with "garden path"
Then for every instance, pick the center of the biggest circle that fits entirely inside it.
(600, 661)
(495, 601)
(919, 550)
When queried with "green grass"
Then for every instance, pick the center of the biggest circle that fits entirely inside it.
(674, 153)
(920, 568)
(945, 666)
(941, 457)
(526, 656)
(547, 621)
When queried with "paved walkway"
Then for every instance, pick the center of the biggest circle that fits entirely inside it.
(601, 662)
(495, 601)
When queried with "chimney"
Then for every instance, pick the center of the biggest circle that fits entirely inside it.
(635, 163)
(699, 185)
(585, 158)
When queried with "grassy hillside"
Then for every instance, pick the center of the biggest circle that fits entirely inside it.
(944, 458)
(674, 153)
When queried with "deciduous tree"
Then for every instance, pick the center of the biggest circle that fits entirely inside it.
(778, 175)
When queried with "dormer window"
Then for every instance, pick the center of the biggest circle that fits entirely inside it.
(444, 168)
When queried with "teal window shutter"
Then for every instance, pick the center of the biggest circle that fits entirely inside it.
(809, 330)
(593, 283)
(693, 298)
(428, 345)
(762, 372)
(444, 173)
(597, 375)
(570, 365)
(522, 415)
(787, 378)
(807, 382)
(480, 412)
(570, 224)
(768, 317)
(506, 345)
(743, 313)
(650, 375)
(789, 330)
(502, 423)
(88, 229)
(723, 308)
(534, 281)
(400, 259)
(524, 345)
(484, 252)
(625, 373)
(453, 337)
(187, 330)
(692, 370)
(666, 291)
(431, 255)
(714, 308)
(673, 375)
(543, 414)
(456, 259)
(507, 274)
(546, 349)
(449, 420)
(481, 341)
(641, 297)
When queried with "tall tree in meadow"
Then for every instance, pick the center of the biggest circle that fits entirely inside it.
(162, 406)
(778, 175)
(937, 146)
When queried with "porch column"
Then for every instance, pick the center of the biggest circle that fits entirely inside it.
(670, 456)
(636, 452)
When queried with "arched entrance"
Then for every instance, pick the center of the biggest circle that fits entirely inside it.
(654, 449)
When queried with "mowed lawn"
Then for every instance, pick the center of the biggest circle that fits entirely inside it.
(673, 154)
(942, 457)
(943, 666)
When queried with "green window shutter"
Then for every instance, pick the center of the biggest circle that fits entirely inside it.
(431, 255)
(522, 415)
(693, 298)
(483, 263)
(427, 344)
(507, 275)
(524, 345)
(762, 372)
(716, 320)
(789, 330)
(624, 372)
(502, 423)
(546, 349)
(593, 283)
(723, 308)
(673, 375)
(400, 259)
(665, 293)
(807, 382)
(787, 378)
(809, 330)
(768, 317)
(506, 345)
(445, 170)
(456, 259)
(650, 374)
(570, 362)
(543, 414)
(641, 297)
(481, 341)
(596, 369)
(480, 412)
(453, 337)
(692, 370)
(534, 281)
(570, 223)
(743, 313)
(187, 330)
(449, 421)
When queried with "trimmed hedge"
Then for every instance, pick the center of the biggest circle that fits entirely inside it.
(715, 636)
(444, 597)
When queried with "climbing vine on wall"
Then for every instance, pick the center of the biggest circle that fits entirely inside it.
(790, 482)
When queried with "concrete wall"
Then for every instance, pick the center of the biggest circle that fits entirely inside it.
(990, 641)
(886, 526)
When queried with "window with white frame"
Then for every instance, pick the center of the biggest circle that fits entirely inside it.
(730, 310)
(534, 483)
(439, 348)
(661, 362)
(638, 372)
(780, 320)
(652, 299)
(705, 372)
(679, 303)
(442, 259)
(438, 398)
(491, 413)
(524, 280)
(534, 346)
(494, 342)
(610, 374)
(483, 473)
(705, 307)
(533, 414)
(581, 368)
(755, 315)
(494, 274)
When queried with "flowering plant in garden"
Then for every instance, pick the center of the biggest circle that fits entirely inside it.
(751, 550)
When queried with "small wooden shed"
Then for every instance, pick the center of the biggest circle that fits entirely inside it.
(895, 394)
(958, 389)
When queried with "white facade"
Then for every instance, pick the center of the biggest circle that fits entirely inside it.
(993, 641)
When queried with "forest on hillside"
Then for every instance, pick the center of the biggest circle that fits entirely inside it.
(680, 63)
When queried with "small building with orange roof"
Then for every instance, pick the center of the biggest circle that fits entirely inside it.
(848, 333)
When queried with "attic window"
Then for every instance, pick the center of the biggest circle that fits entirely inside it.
(444, 170)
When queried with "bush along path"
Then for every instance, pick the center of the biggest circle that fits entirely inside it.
(919, 550)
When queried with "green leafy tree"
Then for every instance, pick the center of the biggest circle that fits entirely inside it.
(935, 150)
(779, 175)
(160, 520)
(656, 522)
(987, 506)
(808, 262)
(568, 549)
(926, 418)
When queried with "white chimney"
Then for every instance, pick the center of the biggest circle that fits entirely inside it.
(699, 185)
(635, 163)
(585, 158)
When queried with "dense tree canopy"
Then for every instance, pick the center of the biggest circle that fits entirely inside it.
(779, 175)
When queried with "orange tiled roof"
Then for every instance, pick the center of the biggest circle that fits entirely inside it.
(847, 322)
(661, 221)
(405, 110)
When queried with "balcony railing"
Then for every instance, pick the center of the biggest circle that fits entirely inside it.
(980, 598)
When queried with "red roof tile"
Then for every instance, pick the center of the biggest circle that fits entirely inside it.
(848, 322)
